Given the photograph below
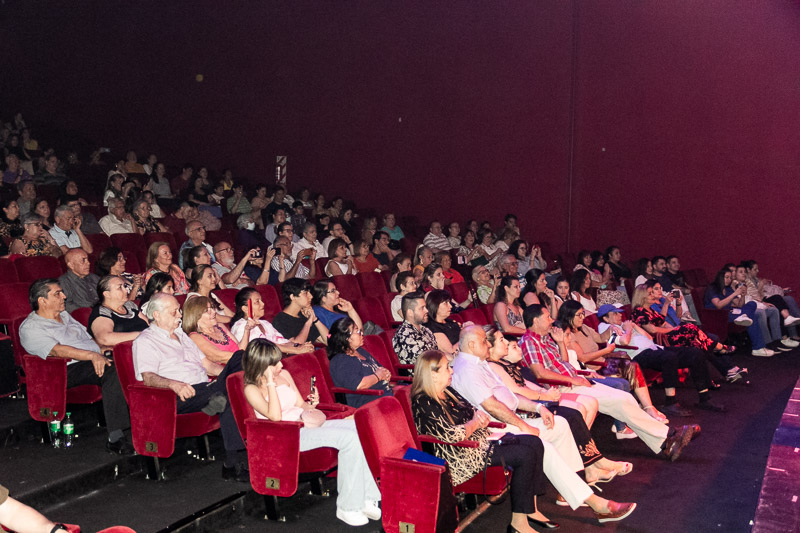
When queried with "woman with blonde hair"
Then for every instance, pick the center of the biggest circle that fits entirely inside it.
(159, 259)
(273, 394)
(213, 338)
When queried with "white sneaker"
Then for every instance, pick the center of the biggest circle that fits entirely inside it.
(791, 343)
(763, 352)
(789, 320)
(743, 320)
(372, 510)
(352, 518)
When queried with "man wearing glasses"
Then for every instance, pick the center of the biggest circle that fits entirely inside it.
(196, 232)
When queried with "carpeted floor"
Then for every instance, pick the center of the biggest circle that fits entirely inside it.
(714, 486)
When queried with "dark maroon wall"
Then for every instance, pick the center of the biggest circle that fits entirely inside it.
(685, 112)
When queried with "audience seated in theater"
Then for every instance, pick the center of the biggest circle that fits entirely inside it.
(132, 166)
(50, 331)
(304, 195)
(159, 183)
(369, 228)
(166, 358)
(507, 309)
(507, 237)
(450, 274)
(381, 250)
(433, 279)
(768, 316)
(249, 304)
(667, 272)
(406, 283)
(282, 267)
(363, 259)
(470, 251)
(67, 231)
(260, 200)
(249, 235)
(238, 204)
(329, 307)
(14, 172)
(160, 282)
(412, 338)
(508, 265)
(319, 205)
(50, 173)
(143, 220)
(489, 249)
(721, 295)
(204, 281)
(422, 258)
(278, 199)
(309, 240)
(35, 240)
(391, 228)
(155, 209)
(579, 290)
(195, 257)
(536, 291)
(544, 351)
(176, 222)
(766, 292)
(562, 290)
(353, 367)
(234, 275)
(687, 334)
(583, 347)
(400, 263)
(27, 194)
(454, 235)
(445, 329)
(201, 322)
(271, 391)
(299, 218)
(474, 380)
(117, 220)
(665, 359)
(113, 187)
(41, 207)
(111, 262)
(200, 189)
(197, 236)
(643, 271)
(10, 222)
(78, 284)
(436, 239)
(338, 261)
(159, 259)
(276, 216)
(337, 232)
(115, 318)
(297, 321)
(88, 222)
(347, 223)
(584, 262)
(486, 284)
(619, 270)
(182, 183)
(337, 205)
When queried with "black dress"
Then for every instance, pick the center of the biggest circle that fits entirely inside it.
(450, 328)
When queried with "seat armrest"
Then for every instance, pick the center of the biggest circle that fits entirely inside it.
(407, 379)
(364, 392)
(499, 425)
(331, 407)
(545, 381)
(405, 367)
(460, 444)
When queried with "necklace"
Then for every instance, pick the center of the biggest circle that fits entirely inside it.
(225, 338)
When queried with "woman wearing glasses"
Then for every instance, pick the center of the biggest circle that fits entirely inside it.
(115, 318)
(214, 339)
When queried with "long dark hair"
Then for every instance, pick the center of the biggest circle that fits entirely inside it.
(719, 281)
(531, 277)
(339, 341)
(577, 280)
(155, 284)
(641, 267)
(514, 248)
(505, 282)
(596, 256)
(567, 312)
(242, 297)
(108, 258)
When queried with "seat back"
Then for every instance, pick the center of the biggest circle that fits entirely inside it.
(128, 241)
(228, 297)
(8, 272)
(241, 408)
(302, 367)
(375, 346)
(383, 431)
(592, 321)
(371, 283)
(348, 287)
(81, 314)
(403, 395)
(47, 387)
(370, 308)
(99, 241)
(488, 311)
(387, 278)
(169, 238)
(386, 302)
(272, 302)
(29, 269)
(458, 291)
(472, 315)
(273, 452)
(123, 362)
(321, 355)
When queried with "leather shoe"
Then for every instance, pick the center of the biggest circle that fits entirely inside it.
(675, 409)
(616, 512)
(119, 447)
(711, 406)
(676, 441)
(238, 472)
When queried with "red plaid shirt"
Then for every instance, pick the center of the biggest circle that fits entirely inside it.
(543, 350)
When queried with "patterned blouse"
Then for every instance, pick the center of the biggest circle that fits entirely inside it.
(447, 421)
(149, 224)
(409, 343)
(36, 247)
(687, 335)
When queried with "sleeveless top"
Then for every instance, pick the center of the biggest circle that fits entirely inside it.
(287, 397)
(345, 267)
(128, 322)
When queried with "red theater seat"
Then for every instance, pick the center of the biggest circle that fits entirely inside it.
(47, 388)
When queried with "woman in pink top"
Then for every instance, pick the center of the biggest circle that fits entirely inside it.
(214, 339)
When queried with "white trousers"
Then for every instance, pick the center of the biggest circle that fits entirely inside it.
(354, 481)
(622, 406)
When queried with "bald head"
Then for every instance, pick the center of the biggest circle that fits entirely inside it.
(473, 341)
(77, 262)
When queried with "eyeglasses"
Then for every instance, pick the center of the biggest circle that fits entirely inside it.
(580, 315)
(228, 249)
(332, 291)
(203, 228)
(356, 332)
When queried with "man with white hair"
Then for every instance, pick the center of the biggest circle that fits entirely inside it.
(196, 232)
(117, 220)
(14, 172)
(234, 275)
(309, 240)
(78, 283)
(67, 231)
(166, 358)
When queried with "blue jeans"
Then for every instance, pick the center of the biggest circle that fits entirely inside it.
(754, 329)
(769, 320)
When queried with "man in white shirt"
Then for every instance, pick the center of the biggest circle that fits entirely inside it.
(165, 357)
(309, 240)
(116, 221)
(337, 232)
(67, 231)
(232, 274)
(436, 239)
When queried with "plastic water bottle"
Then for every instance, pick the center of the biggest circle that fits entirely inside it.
(55, 430)
(69, 431)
